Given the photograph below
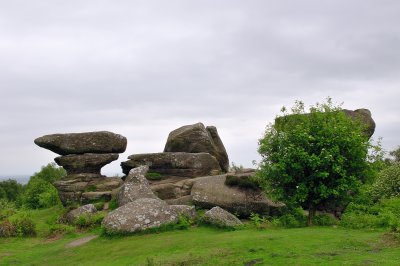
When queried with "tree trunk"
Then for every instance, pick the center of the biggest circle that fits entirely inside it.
(311, 214)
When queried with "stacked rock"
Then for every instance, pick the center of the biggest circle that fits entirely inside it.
(190, 151)
(82, 156)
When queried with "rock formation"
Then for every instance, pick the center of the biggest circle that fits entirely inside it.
(83, 156)
(179, 164)
(140, 209)
(197, 138)
(211, 191)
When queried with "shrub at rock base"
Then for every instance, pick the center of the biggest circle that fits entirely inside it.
(40, 194)
(384, 214)
(24, 226)
(387, 184)
(7, 229)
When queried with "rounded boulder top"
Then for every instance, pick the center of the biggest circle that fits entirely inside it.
(87, 142)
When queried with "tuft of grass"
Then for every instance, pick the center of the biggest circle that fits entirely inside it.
(153, 176)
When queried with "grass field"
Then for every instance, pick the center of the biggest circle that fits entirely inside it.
(209, 246)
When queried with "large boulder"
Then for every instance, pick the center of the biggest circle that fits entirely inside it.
(79, 143)
(221, 218)
(85, 163)
(174, 163)
(139, 215)
(135, 187)
(366, 118)
(211, 191)
(195, 139)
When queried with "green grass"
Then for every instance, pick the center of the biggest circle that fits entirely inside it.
(210, 246)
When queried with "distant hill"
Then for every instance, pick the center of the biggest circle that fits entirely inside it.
(22, 179)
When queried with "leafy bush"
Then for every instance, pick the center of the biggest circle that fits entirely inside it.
(7, 209)
(387, 184)
(60, 229)
(324, 220)
(40, 194)
(293, 219)
(153, 176)
(89, 220)
(384, 214)
(50, 173)
(258, 221)
(7, 229)
(244, 182)
(10, 190)
(24, 226)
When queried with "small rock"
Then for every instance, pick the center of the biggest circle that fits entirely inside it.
(221, 218)
(85, 209)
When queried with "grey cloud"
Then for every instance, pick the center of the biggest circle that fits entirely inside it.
(143, 68)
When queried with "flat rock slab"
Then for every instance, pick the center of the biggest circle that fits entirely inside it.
(175, 163)
(79, 143)
(80, 241)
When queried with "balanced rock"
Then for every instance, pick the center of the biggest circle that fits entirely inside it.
(79, 143)
(174, 163)
(85, 163)
(195, 139)
(135, 187)
(221, 218)
(211, 191)
(139, 215)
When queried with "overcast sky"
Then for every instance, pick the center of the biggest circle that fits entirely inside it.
(144, 68)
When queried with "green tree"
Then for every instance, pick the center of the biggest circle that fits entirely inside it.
(50, 173)
(314, 159)
(40, 194)
(10, 190)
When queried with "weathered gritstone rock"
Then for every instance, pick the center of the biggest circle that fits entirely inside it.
(135, 187)
(83, 156)
(90, 163)
(83, 210)
(139, 215)
(174, 163)
(221, 218)
(80, 143)
(365, 116)
(211, 191)
(196, 139)
(188, 211)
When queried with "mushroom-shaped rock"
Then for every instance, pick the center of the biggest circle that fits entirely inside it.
(221, 218)
(197, 138)
(79, 143)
